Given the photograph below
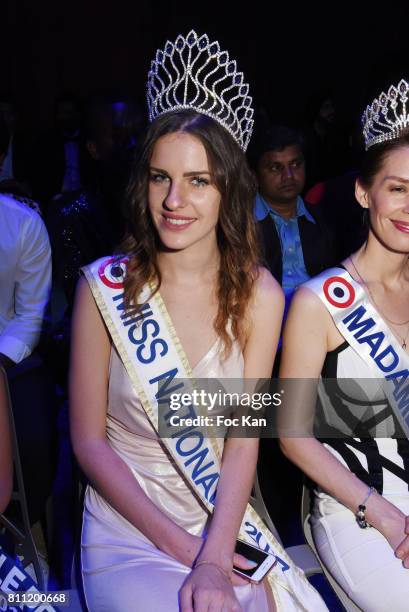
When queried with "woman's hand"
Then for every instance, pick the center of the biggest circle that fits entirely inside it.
(208, 588)
(193, 547)
(242, 563)
(402, 551)
(395, 528)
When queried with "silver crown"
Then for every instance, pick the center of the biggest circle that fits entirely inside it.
(194, 73)
(386, 117)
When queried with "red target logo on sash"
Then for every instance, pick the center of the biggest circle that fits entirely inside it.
(112, 272)
(339, 292)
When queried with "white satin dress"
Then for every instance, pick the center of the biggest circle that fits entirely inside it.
(122, 570)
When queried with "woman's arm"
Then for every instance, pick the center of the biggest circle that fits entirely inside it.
(240, 454)
(6, 460)
(108, 473)
(309, 332)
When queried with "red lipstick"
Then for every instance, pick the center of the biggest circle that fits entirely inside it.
(401, 226)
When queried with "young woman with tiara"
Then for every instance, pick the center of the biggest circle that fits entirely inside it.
(351, 324)
(186, 298)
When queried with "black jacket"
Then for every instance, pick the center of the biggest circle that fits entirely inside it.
(316, 242)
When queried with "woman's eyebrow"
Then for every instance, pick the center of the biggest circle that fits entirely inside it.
(157, 169)
(396, 178)
(192, 173)
(196, 172)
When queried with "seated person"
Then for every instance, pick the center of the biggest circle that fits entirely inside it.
(152, 528)
(349, 325)
(25, 279)
(85, 224)
(295, 240)
(296, 245)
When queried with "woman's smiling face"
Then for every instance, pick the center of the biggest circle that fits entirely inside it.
(183, 200)
(388, 201)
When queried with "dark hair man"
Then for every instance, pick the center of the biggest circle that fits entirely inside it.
(296, 245)
(295, 241)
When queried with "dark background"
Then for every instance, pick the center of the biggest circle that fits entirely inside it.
(287, 51)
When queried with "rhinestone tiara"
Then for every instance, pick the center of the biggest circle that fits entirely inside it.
(386, 117)
(194, 73)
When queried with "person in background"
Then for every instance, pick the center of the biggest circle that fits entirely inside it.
(295, 240)
(11, 187)
(297, 245)
(86, 223)
(326, 142)
(14, 156)
(58, 156)
(336, 200)
(341, 212)
(25, 280)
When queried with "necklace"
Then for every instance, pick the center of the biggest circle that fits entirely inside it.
(394, 323)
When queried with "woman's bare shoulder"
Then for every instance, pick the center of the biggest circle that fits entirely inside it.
(86, 315)
(266, 289)
(308, 317)
(307, 300)
(84, 297)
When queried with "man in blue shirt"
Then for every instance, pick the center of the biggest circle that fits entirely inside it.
(295, 241)
(296, 245)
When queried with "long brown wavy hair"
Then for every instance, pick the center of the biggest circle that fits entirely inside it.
(236, 233)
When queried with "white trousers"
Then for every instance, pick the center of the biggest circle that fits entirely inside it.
(361, 560)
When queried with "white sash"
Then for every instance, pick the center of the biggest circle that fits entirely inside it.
(154, 359)
(367, 333)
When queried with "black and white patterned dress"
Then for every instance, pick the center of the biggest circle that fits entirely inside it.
(367, 437)
(361, 430)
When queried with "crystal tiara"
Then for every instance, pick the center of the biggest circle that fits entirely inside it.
(194, 73)
(387, 116)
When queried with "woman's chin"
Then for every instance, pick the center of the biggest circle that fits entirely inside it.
(393, 241)
(182, 240)
(172, 244)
